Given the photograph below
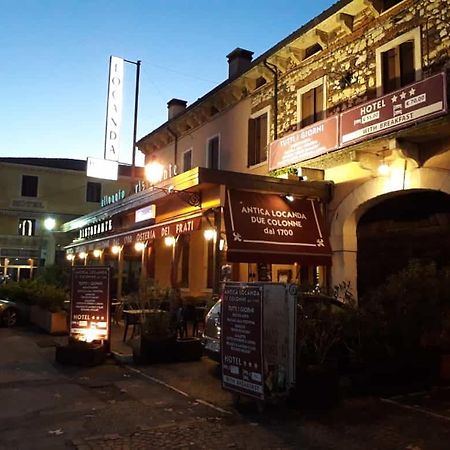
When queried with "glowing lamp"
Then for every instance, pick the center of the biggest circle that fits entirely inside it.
(49, 223)
(70, 256)
(169, 241)
(82, 255)
(115, 249)
(209, 234)
(97, 253)
(154, 172)
(139, 246)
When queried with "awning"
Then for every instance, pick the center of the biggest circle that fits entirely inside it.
(269, 228)
(174, 227)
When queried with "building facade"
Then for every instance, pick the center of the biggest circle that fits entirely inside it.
(39, 195)
(356, 99)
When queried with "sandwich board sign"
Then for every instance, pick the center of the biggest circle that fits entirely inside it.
(258, 338)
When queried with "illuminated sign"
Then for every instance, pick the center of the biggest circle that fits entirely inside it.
(95, 229)
(147, 213)
(169, 171)
(114, 109)
(102, 168)
(114, 198)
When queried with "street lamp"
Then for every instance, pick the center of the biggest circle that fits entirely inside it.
(49, 223)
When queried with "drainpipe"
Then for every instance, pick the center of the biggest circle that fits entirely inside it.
(274, 69)
(175, 151)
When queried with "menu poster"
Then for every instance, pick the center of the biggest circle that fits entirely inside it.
(89, 312)
(242, 340)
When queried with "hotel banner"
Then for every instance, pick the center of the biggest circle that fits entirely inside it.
(114, 109)
(304, 144)
(269, 228)
(413, 103)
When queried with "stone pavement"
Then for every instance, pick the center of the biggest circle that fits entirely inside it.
(48, 406)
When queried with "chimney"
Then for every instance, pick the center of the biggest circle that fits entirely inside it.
(176, 107)
(238, 60)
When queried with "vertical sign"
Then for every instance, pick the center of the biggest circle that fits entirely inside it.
(114, 108)
(89, 306)
(242, 340)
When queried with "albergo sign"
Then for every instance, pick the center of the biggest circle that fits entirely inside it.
(269, 228)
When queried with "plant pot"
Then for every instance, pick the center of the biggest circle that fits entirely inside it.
(51, 322)
(149, 349)
(188, 349)
(81, 354)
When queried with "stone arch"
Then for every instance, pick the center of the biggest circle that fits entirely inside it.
(345, 217)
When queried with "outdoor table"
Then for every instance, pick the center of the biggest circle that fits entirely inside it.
(131, 317)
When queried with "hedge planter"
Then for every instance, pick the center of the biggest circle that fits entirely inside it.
(188, 349)
(153, 349)
(51, 322)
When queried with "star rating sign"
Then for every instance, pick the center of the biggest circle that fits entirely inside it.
(394, 98)
(412, 91)
(403, 95)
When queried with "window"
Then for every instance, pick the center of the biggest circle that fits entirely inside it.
(27, 227)
(397, 67)
(29, 186)
(187, 160)
(398, 62)
(257, 139)
(213, 153)
(311, 103)
(93, 192)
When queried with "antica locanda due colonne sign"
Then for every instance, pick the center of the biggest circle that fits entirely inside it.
(269, 228)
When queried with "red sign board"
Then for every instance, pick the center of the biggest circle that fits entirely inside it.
(413, 103)
(170, 228)
(89, 306)
(269, 228)
(307, 143)
(242, 340)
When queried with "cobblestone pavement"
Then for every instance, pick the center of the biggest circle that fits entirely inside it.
(51, 407)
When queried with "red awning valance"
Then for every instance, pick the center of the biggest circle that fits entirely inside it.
(269, 228)
(173, 227)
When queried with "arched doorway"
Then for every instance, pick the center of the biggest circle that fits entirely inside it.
(410, 225)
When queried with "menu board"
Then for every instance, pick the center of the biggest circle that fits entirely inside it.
(89, 312)
(242, 339)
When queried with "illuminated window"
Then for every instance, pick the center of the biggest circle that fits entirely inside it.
(27, 227)
(213, 153)
(398, 62)
(29, 186)
(257, 139)
(187, 160)
(93, 192)
(311, 103)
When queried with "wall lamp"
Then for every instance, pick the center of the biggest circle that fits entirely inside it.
(154, 174)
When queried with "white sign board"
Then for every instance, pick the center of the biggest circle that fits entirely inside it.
(147, 213)
(102, 168)
(114, 109)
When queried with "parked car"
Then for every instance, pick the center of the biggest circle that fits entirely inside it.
(211, 333)
(308, 306)
(9, 313)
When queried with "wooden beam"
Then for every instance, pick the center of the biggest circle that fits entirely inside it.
(297, 54)
(322, 37)
(374, 6)
(346, 22)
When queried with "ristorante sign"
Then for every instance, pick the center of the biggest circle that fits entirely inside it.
(416, 102)
(269, 228)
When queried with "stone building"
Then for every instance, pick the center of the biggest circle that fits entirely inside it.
(353, 103)
(38, 196)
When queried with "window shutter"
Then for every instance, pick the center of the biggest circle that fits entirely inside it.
(389, 70)
(318, 103)
(251, 142)
(262, 153)
(407, 63)
(307, 108)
